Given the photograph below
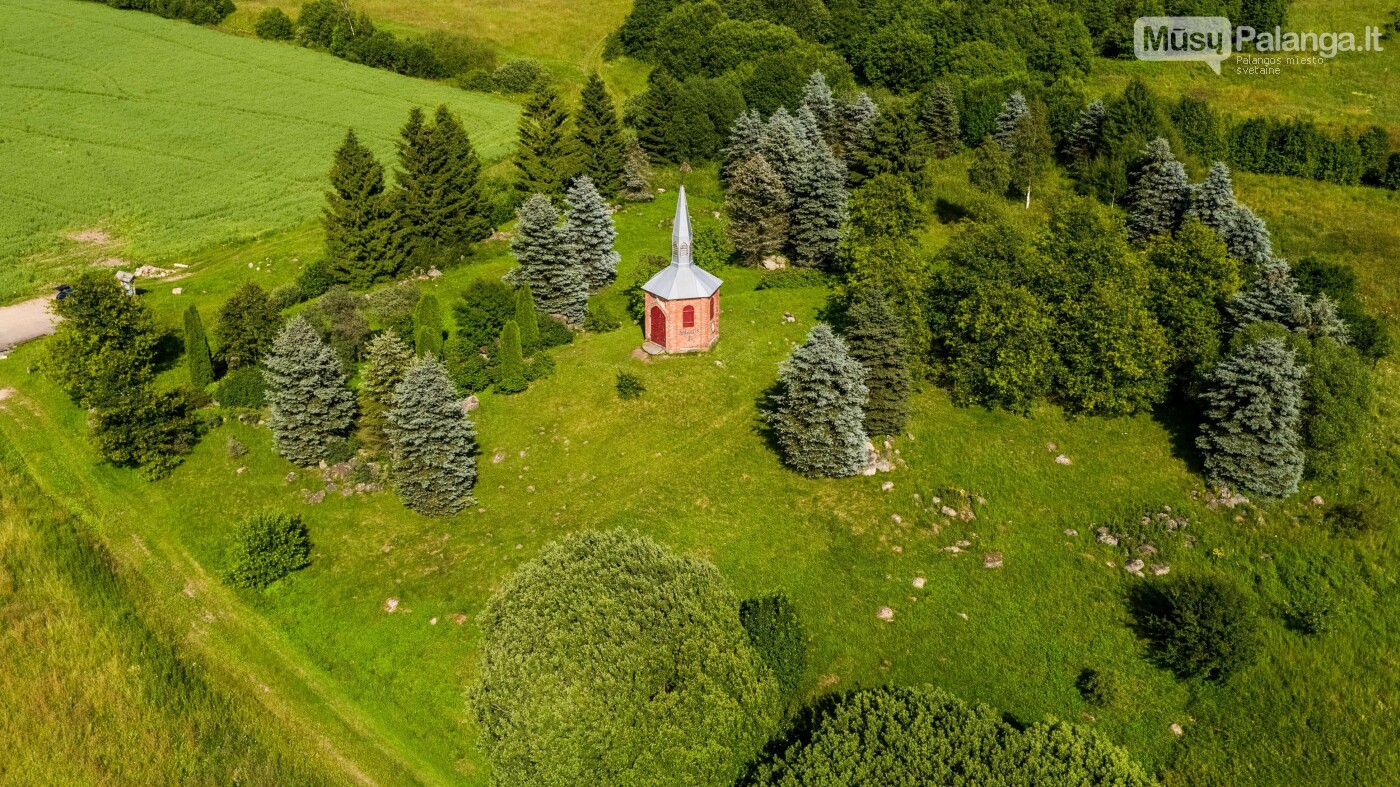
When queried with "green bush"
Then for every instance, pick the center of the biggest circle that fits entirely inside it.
(466, 367)
(267, 548)
(553, 333)
(791, 279)
(285, 297)
(273, 24)
(235, 448)
(485, 306)
(1102, 689)
(1199, 625)
(1352, 519)
(315, 278)
(600, 320)
(538, 367)
(629, 386)
(777, 633)
(243, 387)
(341, 449)
(519, 76)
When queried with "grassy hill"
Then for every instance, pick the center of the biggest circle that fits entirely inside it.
(172, 138)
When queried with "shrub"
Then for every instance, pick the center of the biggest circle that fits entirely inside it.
(1352, 519)
(235, 448)
(341, 449)
(466, 367)
(273, 24)
(600, 319)
(519, 76)
(553, 333)
(538, 367)
(791, 279)
(243, 387)
(315, 278)
(267, 548)
(146, 429)
(483, 311)
(1102, 689)
(629, 386)
(285, 297)
(777, 634)
(1199, 625)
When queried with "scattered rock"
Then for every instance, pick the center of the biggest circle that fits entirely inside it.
(434, 273)
(1176, 730)
(239, 471)
(1160, 569)
(919, 582)
(948, 511)
(775, 262)
(1051, 447)
(470, 404)
(962, 615)
(789, 317)
(292, 476)
(316, 497)
(991, 560)
(887, 486)
(886, 614)
(459, 618)
(1106, 537)
(954, 550)
(964, 543)
(1317, 500)
(341, 471)
(177, 290)
(898, 550)
(1071, 532)
(1224, 497)
(152, 272)
(1134, 565)
(391, 604)
(897, 519)
(432, 621)
(498, 457)
(1063, 460)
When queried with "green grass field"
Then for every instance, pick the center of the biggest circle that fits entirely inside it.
(174, 138)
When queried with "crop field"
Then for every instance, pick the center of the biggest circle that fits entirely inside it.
(170, 138)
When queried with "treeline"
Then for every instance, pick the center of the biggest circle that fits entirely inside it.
(202, 12)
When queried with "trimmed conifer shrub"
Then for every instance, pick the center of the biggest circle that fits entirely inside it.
(266, 548)
(389, 358)
(1250, 436)
(242, 387)
(1199, 625)
(816, 415)
(197, 357)
(427, 326)
(528, 319)
(434, 442)
(629, 386)
(510, 363)
(877, 341)
(306, 392)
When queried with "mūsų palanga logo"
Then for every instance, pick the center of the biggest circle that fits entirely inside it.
(1212, 40)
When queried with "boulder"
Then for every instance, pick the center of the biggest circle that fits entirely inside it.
(1063, 460)
(775, 262)
(1160, 569)
(886, 614)
(991, 560)
(470, 403)
(1134, 566)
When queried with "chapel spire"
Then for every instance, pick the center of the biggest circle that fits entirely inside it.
(681, 240)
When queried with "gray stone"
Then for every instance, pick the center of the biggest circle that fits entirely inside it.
(1160, 569)
(886, 614)
(1134, 566)
(316, 497)
(991, 560)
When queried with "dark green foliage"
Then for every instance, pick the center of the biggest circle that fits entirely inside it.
(306, 391)
(1202, 129)
(1366, 332)
(469, 370)
(528, 320)
(941, 119)
(896, 145)
(792, 279)
(1159, 193)
(816, 415)
(510, 364)
(538, 367)
(685, 121)
(434, 442)
(1253, 403)
(337, 319)
(1102, 688)
(629, 386)
(144, 428)
(553, 332)
(1086, 137)
(440, 200)
(556, 678)
(1374, 145)
(242, 387)
(274, 25)
(1012, 111)
(990, 170)
(876, 341)
(266, 548)
(546, 157)
(777, 634)
(315, 278)
(890, 737)
(1337, 395)
(485, 307)
(105, 345)
(286, 296)
(521, 75)
(548, 265)
(757, 206)
(817, 98)
(427, 326)
(1296, 147)
(1032, 150)
(1353, 519)
(1000, 350)
(1192, 281)
(391, 308)
(200, 12)
(364, 236)
(389, 358)
(602, 149)
(600, 319)
(636, 173)
(1199, 625)
(590, 234)
(648, 266)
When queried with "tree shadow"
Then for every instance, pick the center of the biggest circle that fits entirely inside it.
(765, 405)
(948, 212)
(800, 729)
(169, 349)
(1181, 415)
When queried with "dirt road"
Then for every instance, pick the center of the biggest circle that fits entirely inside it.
(24, 321)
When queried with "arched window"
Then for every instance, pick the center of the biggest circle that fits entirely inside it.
(688, 317)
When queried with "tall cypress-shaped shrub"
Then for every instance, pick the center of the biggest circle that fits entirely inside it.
(590, 234)
(817, 414)
(306, 392)
(389, 359)
(876, 340)
(528, 319)
(433, 440)
(197, 357)
(427, 326)
(510, 368)
(1250, 437)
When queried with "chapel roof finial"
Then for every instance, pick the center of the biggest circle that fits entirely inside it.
(680, 235)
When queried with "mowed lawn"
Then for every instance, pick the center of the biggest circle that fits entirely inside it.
(173, 138)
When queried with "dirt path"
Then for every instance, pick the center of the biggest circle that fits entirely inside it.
(24, 321)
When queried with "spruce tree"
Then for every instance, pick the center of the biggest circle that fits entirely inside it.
(857, 118)
(757, 207)
(601, 146)
(807, 126)
(364, 236)
(510, 366)
(1248, 238)
(990, 170)
(388, 359)
(785, 148)
(636, 173)
(1213, 200)
(1159, 195)
(433, 441)
(942, 120)
(306, 393)
(1325, 322)
(876, 341)
(818, 207)
(817, 414)
(1250, 437)
(545, 158)
(817, 98)
(528, 319)
(745, 141)
(590, 234)
(427, 326)
(896, 145)
(440, 199)
(1011, 113)
(197, 357)
(1272, 297)
(547, 263)
(1087, 133)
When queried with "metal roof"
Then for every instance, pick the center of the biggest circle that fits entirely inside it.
(682, 279)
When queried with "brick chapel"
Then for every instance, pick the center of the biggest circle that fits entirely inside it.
(682, 301)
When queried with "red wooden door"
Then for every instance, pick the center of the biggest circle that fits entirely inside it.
(658, 326)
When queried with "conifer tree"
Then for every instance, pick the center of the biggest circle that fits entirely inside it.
(197, 357)
(545, 158)
(1272, 297)
(857, 118)
(757, 206)
(547, 264)
(896, 145)
(388, 359)
(1250, 437)
(942, 120)
(1159, 195)
(817, 98)
(306, 393)
(1248, 238)
(1325, 322)
(434, 442)
(1087, 133)
(785, 148)
(528, 319)
(510, 368)
(1011, 113)
(248, 323)
(590, 234)
(745, 141)
(636, 173)
(364, 236)
(876, 341)
(427, 326)
(807, 126)
(817, 413)
(1213, 200)
(818, 207)
(440, 200)
(600, 141)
